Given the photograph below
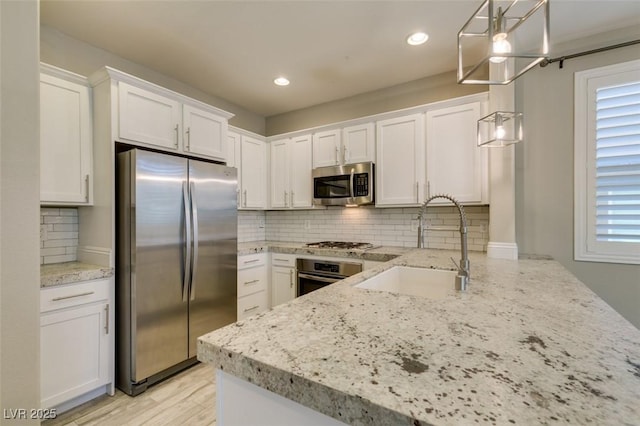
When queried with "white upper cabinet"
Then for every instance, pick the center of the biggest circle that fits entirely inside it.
(358, 143)
(291, 183)
(205, 132)
(148, 117)
(66, 138)
(326, 148)
(152, 116)
(233, 150)
(352, 144)
(400, 152)
(253, 171)
(455, 164)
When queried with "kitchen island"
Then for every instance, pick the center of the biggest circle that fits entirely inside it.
(527, 343)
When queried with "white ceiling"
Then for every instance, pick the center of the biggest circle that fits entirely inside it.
(328, 49)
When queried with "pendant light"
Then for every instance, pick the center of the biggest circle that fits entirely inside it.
(501, 128)
(508, 36)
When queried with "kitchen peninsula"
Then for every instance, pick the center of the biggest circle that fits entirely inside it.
(526, 344)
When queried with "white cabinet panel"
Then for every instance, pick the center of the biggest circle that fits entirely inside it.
(253, 169)
(358, 143)
(233, 150)
(253, 284)
(283, 287)
(148, 117)
(300, 183)
(253, 304)
(66, 140)
(280, 167)
(205, 133)
(76, 341)
(454, 161)
(326, 148)
(400, 172)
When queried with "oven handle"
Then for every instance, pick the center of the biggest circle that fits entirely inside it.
(319, 278)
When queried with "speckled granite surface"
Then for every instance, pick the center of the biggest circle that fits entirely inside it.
(379, 254)
(71, 272)
(526, 344)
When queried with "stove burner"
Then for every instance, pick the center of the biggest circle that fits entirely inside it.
(340, 245)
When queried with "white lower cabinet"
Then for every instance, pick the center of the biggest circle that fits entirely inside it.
(253, 285)
(76, 341)
(283, 278)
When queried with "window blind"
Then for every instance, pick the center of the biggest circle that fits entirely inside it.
(618, 163)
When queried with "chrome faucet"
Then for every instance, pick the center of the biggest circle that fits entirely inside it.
(462, 279)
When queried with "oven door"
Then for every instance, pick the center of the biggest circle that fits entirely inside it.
(310, 282)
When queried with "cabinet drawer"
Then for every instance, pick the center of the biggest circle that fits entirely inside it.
(252, 280)
(73, 294)
(251, 260)
(252, 304)
(286, 260)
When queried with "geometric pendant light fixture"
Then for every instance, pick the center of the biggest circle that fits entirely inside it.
(513, 34)
(499, 129)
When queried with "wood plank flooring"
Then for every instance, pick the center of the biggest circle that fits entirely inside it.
(187, 398)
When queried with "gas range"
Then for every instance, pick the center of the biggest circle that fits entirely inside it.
(347, 245)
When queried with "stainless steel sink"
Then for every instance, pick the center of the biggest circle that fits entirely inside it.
(421, 282)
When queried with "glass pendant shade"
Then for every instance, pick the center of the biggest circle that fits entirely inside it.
(503, 40)
(500, 128)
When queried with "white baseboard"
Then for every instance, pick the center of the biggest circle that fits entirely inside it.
(96, 256)
(502, 250)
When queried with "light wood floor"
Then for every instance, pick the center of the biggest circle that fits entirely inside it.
(187, 398)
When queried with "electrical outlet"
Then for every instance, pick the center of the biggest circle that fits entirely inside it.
(261, 223)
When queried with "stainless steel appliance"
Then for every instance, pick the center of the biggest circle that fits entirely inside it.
(351, 184)
(314, 274)
(176, 262)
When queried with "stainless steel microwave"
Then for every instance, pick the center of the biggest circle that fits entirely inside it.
(351, 184)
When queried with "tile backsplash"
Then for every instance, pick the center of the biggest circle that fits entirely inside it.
(251, 226)
(389, 226)
(58, 235)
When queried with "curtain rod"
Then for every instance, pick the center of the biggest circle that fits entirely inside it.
(561, 59)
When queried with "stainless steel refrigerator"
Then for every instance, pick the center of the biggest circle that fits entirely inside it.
(176, 262)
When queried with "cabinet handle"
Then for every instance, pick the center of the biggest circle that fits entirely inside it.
(251, 308)
(177, 136)
(251, 282)
(345, 154)
(246, 262)
(286, 199)
(428, 189)
(106, 313)
(56, 299)
(188, 148)
(291, 278)
(291, 198)
(418, 192)
(245, 198)
(337, 159)
(86, 184)
(238, 197)
(280, 260)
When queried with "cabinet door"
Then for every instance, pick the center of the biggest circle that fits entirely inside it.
(454, 161)
(74, 352)
(400, 173)
(149, 118)
(205, 133)
(254, 173)
(233, 150)
(280, 165)
(326, 150)
(300, 181)
(358, 143)
(283, 286)
(65, 142)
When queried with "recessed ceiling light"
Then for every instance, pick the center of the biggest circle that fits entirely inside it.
(416, 39)
(281, 81)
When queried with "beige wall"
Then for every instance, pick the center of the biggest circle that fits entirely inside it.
(544, 172)
(418, 92)
(82, 58)
(19, 208)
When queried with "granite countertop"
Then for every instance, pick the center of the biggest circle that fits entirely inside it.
(71, 272)
(379, 254)
(527, 343)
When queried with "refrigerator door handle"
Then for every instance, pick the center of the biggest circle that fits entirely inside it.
(194, 260)
(187, 251)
